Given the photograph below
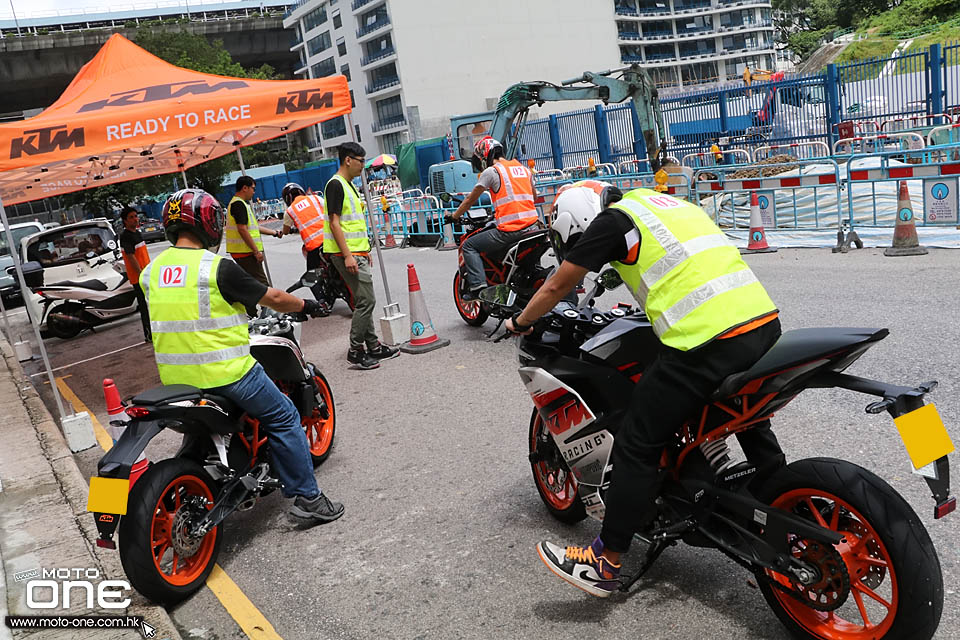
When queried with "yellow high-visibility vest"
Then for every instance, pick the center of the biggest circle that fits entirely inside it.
(235, 243)
(353, 221)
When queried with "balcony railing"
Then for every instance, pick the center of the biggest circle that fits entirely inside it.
(631, 59)
(390, 123)
(696, 31)
(373, 57)
(380, 85)
(629, 35)
(693, 6)
(370, 28)
(626, 11)
(360, 3)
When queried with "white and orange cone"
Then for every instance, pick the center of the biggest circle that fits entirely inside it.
(423, 337)
(905, 241)
(758, 237)
(117, 415)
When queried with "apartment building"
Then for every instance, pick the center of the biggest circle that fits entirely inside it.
(411, 64)
(683, 42)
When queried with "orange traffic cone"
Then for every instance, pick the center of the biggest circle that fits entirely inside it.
(758, 238)
(423, 337)
(118, 420)
(905, 241)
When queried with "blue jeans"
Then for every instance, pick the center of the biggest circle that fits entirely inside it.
(488, 242)
(256, 394)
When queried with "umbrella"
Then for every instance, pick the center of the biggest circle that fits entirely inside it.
(384, 159)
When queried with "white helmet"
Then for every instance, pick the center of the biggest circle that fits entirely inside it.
(576, 208)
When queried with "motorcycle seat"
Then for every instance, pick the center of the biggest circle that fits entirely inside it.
(795, 348)
(168, 394)
(94, 285)
(531, 232)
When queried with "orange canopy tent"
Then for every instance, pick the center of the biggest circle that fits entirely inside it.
(128, 114)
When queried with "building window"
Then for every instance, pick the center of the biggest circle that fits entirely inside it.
(345, 70)
(389, 142)
(315, 18)
(324, 68)
(319, 44)
(356, 130)
(334, 128)
(390, 110)
(353, 103)
(337, 22)
(341, 47)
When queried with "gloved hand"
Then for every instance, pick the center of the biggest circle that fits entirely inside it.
(448, 218)
(315, 308)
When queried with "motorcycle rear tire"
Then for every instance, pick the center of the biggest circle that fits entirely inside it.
(322, 443)
(478, 316)
(64, 330)
(912, 580)
(153, 494)
(565, 506)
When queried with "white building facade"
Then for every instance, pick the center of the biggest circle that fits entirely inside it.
(683, 42)
(411, 64)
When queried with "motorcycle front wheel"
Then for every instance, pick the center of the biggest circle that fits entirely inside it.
(883, 582)
(162, 561)
(472, 312)
(557, 487)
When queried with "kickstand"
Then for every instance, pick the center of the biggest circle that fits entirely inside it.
(653, 553)
(495, 329)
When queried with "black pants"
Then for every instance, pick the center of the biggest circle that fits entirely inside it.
(254, 267)
(144, 312)
(673, 389)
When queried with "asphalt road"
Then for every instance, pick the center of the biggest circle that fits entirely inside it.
(441, 512)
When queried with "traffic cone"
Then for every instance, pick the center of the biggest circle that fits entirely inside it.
(118, 419)
(905, 241)
(447, 241)
(389, 242)
(758, 239)
(423, 336)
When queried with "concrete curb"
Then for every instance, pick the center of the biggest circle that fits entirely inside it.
(73, 487)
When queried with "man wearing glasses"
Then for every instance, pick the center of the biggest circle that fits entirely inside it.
(348, 246)
(243, 233)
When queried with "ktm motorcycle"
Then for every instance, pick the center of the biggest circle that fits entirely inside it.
(837, 553)
(169, 523)
(517, 266)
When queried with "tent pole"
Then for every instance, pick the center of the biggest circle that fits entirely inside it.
(183, 174)
(243, 169)
(26, 303)
(6, 323)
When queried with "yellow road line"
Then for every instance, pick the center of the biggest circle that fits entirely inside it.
(238, 605)
(106, 442)
(235, 601)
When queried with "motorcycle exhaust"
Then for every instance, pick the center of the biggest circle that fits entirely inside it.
(67, 320)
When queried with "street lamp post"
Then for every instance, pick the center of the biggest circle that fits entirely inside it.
(15, 21)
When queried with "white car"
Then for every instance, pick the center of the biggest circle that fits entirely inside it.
(8, 284)
(65, 255)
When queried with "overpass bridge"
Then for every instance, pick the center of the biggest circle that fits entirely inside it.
(39, 56)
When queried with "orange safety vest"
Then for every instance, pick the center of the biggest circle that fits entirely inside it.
(513, 203)
(307, 213)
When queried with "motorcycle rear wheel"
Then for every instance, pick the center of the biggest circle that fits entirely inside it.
(895, 581)
(321, 430)
(159, 506)
(472, 312)
(556, 485)
(62, 329)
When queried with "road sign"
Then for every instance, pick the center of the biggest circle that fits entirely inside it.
(768, 208)
(940, 200)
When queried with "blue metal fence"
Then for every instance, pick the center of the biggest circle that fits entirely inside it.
(796, 109)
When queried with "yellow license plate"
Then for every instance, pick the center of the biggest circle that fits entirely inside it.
(108, 495)
(924, 435)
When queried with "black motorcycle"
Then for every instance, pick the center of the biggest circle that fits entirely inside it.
(836, 551)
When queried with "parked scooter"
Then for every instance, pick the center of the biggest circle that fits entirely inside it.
(72, 306)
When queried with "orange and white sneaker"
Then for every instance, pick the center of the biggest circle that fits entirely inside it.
(583, 567)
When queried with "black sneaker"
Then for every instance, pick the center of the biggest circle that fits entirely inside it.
(471, 295)
(360, 359)
(319, 510)
(383, 352)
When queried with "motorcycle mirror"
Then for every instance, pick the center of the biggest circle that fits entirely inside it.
(610, 279)
(111, 245)
(444, 197)
(308, 279)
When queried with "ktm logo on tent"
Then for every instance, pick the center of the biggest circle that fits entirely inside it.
(304, 101)
(37, 141)
(162, 92)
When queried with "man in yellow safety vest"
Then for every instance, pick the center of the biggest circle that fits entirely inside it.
(200, 338)
(243, 232)
(347, 245)
(713, 318)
